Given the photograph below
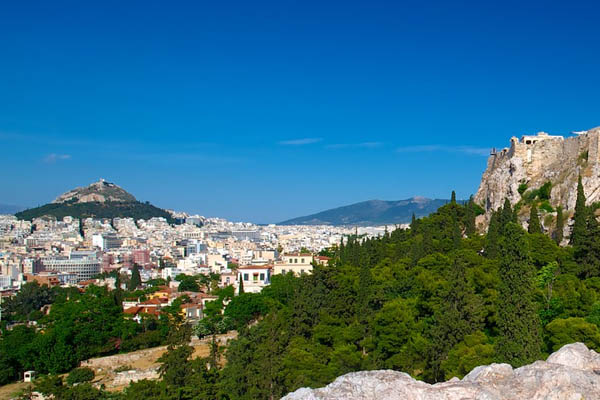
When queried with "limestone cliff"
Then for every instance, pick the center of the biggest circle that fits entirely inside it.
(535, 160)
(101, 191)
(572, 373)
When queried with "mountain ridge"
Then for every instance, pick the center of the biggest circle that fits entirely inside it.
(371, 212)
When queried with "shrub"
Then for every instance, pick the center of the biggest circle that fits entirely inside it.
(544, 191)
(530, 195)
(79, 375)
(522, 188)
(545, 205)
(123, 368)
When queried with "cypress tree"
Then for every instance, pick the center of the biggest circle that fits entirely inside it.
(520, 341)
(587, 250)
(534, 220)
(460, 314)
(453, 198)
(456, 233)
(560, 225)
(470, 217)
(136, 279)
(241, 287)
(506, 215)
(578, 231)
(413, 225)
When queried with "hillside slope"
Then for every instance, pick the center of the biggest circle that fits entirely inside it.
(372, 212)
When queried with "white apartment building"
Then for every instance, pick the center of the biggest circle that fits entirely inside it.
(255, 278)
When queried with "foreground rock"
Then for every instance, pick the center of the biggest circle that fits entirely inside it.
(572, 373)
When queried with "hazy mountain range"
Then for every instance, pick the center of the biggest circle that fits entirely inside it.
(372, 212)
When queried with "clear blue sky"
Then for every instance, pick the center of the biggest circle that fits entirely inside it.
(264, 111)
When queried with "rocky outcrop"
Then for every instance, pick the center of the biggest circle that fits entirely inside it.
(572, 373)
(535, 160)
(100, 191)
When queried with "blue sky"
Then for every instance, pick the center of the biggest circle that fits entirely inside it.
(264, 111)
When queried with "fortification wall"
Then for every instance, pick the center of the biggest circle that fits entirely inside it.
(548, 158)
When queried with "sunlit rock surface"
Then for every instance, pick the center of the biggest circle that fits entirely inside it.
(572, 373)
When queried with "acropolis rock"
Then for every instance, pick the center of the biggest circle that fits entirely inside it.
(572, 373)
(537, 159)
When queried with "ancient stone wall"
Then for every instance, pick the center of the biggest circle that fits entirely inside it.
(557, 160)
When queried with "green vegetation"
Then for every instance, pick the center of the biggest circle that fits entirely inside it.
(109, 209)
(80, 375)
(432, 301)
(522, 188)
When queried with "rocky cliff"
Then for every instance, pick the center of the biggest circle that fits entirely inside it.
(534, 160)
(572, 373)
(101, 191)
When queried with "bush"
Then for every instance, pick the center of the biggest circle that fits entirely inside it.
(545, 205)
(544, 191)
(530, 195)
(123, 368)
(80, 375)
(522, 188)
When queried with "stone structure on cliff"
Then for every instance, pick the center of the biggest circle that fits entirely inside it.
(537, 159)
(572, 373)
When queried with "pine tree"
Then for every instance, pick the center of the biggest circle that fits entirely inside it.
(534, 220)
(136, 279)
(560, 225)
(520, 341)
(578, 232)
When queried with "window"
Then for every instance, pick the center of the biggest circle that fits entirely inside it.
(295, 261)
(283, 271)
(262, 277)
(301, 271)
(245, 277)
(302, 260)
(255, 276)
(227, 280)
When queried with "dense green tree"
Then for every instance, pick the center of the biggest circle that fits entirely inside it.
(580, 217)
(534, 220)
(560, 225)
(136, 279)
(571, 330)
(459, 314)
(492, 241)
(470, 216)
(518, 322)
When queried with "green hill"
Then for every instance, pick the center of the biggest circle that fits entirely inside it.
(109, 209)
(99, 200)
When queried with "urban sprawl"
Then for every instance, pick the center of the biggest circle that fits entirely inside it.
(80, 253)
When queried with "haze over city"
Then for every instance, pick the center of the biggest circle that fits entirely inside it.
(263, 111)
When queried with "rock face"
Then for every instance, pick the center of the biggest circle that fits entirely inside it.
(100, 191)
(535, 160)
(572, 373)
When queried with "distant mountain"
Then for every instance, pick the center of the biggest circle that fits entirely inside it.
(101, 199)
(9, 209)
(372, 212)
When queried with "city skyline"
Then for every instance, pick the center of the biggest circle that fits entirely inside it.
(263, 112)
